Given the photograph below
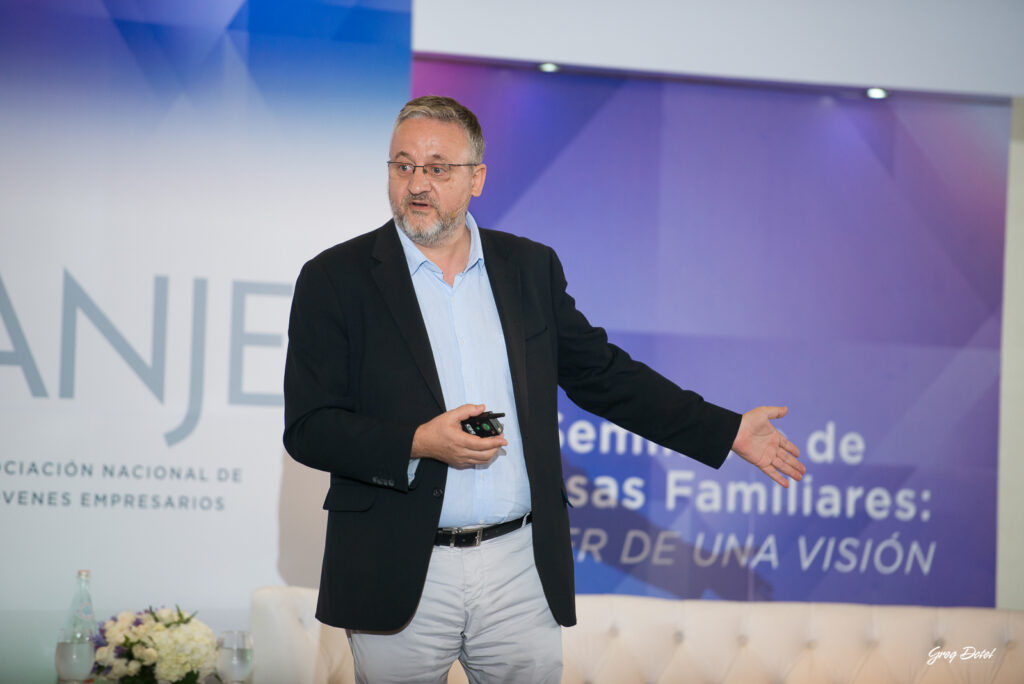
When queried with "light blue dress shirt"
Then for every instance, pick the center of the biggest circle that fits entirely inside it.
(472, 364)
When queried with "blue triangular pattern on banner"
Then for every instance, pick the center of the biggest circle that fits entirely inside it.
(240, 39)
(366, 25)
(208, 14)
(127, 10)
(942, 214)
(171, 58)
(300, 19)
(879, 127)
(143, 45)
(240, 22)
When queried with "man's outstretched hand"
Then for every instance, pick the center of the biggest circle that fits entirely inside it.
(758, 442)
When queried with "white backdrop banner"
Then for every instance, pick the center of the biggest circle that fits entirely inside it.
(165, 171)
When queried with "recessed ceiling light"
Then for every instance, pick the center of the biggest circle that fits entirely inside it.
(877, 93)
(549, 67)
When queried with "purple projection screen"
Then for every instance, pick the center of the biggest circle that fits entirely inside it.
(766, 246)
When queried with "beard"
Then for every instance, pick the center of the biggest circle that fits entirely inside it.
(433, 235)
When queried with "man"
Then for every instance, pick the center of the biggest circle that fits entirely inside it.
(441, 544)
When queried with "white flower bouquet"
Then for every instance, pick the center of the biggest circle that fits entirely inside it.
(155, 645)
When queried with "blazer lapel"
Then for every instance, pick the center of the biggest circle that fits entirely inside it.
(392, 277)
(508, 297)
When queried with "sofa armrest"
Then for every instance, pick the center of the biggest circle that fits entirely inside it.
(286, 636)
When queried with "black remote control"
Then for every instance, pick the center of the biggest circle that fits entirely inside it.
(484, 425)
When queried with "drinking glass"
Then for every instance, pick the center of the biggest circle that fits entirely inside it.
(74, 656)
(234, 656)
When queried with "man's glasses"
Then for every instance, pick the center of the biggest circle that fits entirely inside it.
(437, 171)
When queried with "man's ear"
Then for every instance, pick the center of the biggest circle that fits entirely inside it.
(479, 176)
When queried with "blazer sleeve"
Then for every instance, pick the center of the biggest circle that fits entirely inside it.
(602, 378)
(323, 426)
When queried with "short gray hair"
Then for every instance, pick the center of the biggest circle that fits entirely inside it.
(446, 109)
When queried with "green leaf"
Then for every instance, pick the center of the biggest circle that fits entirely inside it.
(191, 678)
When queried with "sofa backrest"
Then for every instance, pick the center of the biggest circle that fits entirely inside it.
(622, 639)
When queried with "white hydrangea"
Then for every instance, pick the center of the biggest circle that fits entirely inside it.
(185, 648)
(170, 641)
(119, 668)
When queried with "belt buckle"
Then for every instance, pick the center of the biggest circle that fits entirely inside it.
(455, 531)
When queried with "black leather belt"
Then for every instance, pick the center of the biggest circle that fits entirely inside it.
(459, 536)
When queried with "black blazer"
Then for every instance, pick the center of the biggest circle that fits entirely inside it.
(360, 378)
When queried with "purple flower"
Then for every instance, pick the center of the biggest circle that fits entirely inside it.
(100, 639)
(119, 651)
(137, 622)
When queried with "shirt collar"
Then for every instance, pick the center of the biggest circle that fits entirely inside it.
(417, 259)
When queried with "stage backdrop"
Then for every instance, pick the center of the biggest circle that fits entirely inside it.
(771, 246)
(165, 169)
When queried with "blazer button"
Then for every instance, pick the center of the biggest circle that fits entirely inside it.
(438, 492)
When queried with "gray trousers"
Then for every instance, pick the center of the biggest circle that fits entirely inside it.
(482, 605)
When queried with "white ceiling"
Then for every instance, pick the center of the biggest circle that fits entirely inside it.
(945, 46)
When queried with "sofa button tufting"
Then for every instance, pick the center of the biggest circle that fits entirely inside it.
(613, 631)
(678, 636)
(438, 492)
(742, 639)
(812, 644)
(939, 643)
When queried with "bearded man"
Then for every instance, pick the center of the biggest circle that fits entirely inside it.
(443, 545)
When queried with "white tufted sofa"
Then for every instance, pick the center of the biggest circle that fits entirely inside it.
(625, 639)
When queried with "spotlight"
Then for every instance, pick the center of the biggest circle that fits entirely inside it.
(549, 67)
(877, 93)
